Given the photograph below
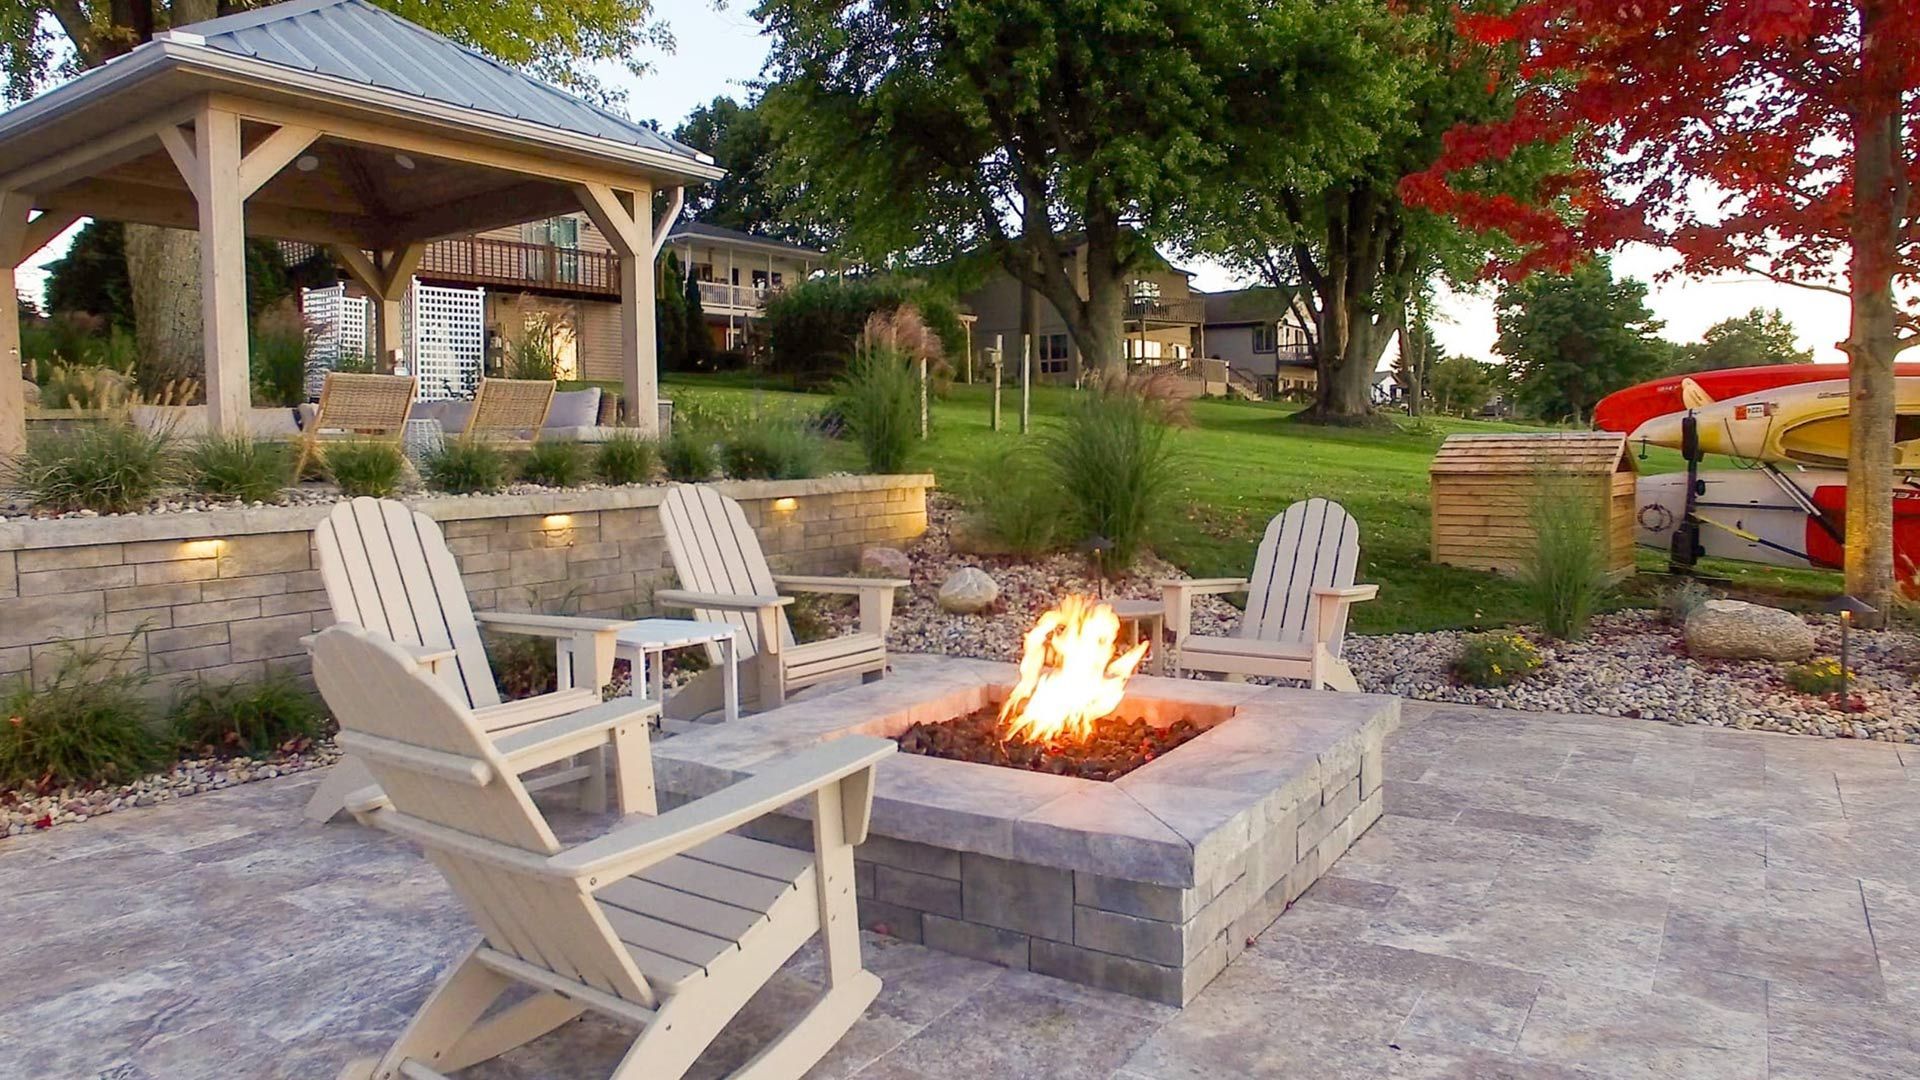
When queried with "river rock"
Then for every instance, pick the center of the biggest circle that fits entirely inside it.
(1737, 630)
(877, 560)
(967, 591)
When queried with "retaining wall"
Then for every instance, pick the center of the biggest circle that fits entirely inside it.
(228, 594)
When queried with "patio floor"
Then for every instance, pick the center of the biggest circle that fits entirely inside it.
(1548, 896)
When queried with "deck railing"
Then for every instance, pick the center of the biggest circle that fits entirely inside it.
(719, 294)
(512, 263)
(1154, 310)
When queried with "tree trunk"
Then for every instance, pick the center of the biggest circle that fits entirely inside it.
(1873, 339)
(1362, 292)
(1103, 338)
(163, 269)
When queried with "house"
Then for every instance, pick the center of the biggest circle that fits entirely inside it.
(1387, 389)
(1260, 333)
(1162, 319)
(479, 295)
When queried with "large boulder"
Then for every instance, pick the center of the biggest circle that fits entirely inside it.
(30, 392)
(1737, 630)
(968, 590)
(877, 560)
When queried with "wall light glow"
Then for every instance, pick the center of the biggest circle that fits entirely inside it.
(203, 549)
(785, 504)
(557, 521)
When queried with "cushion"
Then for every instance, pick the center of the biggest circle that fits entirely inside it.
(573, 409)
(452, 414)
(190, 421)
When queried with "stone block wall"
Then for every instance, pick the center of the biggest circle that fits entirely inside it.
(229, 594)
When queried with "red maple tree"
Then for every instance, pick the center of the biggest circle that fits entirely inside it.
(1773, 137)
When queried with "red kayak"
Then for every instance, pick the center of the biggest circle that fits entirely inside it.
(1823, 550)
(1625, 410)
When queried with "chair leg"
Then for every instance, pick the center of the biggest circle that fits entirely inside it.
(593, 786)
(632, 757)
(444, 1022)
(346, 776)
(802, 1046)
(512, 1028)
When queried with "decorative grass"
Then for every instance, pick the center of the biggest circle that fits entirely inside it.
(688, 455)
(87, 723)
(772, 451)
(626, 458)
(236, 467)
(878, 401)
(365, 467)
(554, 463)
(1565, 577)
(466, 467)
(245, 717)
(108, 468)
(1113, 462)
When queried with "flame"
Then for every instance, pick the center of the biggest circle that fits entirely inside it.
(1069, 675)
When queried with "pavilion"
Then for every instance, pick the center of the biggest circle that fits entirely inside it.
(335, 123)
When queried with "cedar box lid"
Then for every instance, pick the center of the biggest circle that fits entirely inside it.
(1581, 453)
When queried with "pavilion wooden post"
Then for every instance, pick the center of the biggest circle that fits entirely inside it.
(386, 275)
(21, 234)
(626, 220)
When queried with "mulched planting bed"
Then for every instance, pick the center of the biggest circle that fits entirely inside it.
(1120, 744)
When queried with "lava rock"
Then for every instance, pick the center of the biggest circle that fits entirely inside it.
(967, 591)
(884, 562)
(1737, 630)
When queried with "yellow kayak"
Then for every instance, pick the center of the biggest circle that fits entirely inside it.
(1803, 424)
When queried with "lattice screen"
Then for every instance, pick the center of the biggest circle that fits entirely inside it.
(342, 327)
(446, 332)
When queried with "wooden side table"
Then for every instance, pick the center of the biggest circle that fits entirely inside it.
(644, 643)
(1144, 620)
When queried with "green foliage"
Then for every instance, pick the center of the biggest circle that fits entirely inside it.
(626, 458)
(555, 463)
(1761, 336)
(772, 451)
(1459, 385)
(1680, 602)
(90, 388)
(536, 354)
(245, 717)
(109, 468)
(688, 455)
(92, 276)
(1495, 659)
(813, 325)
(1820, 676)
(699, 353)
(87, 723)
(1013, 505)
(523, 665)
(670, 315)
(465, 467)
(282, 345)
(1572, 339)
(879, 401)
(1566, 575)
(236, 467)
(749, 198)
(1113, 461)
(365, 467)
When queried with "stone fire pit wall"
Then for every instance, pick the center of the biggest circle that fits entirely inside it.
(1149, 885)
(227, 594)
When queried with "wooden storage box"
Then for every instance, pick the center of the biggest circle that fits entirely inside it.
(1485, 487)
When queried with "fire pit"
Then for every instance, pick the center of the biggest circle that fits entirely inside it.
(1148, 880)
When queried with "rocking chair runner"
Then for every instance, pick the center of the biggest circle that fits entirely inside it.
(667, 924)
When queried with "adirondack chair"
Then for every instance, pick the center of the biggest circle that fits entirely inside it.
(388, 569)
(1297, 602)
(724, 577)
(667, 924)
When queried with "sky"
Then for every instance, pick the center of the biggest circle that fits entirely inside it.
(719, 50)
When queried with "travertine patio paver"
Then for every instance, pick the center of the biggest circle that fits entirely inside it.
(1547, 897)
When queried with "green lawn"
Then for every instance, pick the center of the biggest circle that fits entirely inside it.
(1242, 462)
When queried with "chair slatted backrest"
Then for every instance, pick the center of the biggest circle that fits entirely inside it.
(437, 767)
(1311, 544)
(714, 550)
(350, 401)
(388, 569)
(510, 408)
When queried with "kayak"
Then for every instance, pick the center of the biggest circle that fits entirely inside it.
(1625, 410)
(1793, 518)
(1802, 424)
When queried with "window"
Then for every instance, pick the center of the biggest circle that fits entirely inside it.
(1052, 354)
(1144, 290)
(559, 231)
(1263, 337)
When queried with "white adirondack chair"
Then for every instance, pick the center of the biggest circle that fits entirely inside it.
(388, 569)
(1297, 602)
(724, 577)
(666, 924)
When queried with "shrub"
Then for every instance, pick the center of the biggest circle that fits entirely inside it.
(688, 455)
(523, 665)
(626, 458)
(1014, 506)
(87, 723)
(465, 467)
(772, 451)
(554, 463)
(812, 326)
(1113, 461)
(109, 468)
(365, 467)
(236, 467)
(282, 344)
(878, 402)
(245, 717)
(1565, 578)
(1495, 660)
(1681, 601)
(1820, 676)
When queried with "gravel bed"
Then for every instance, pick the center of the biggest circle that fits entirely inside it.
(20, 813)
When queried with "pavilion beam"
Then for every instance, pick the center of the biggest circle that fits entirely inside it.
(93, 158)
(223, 268)
(150, 204)
(626, 220)
(386, 275)
(511, 205)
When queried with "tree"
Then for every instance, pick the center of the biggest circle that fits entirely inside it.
(1459, 385)
(92, 275)
(749, 198)
(670, 315)
(1773, 138)
(1572, 339)
(1418, 354)
(699, 354)
(1346, 234)
(1761, 336)
(1062, 140)
(557, 40)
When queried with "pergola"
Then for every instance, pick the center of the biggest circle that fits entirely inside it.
(335, 123)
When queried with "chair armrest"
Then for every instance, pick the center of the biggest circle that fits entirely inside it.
(561, 737)
(1347, 593)
(1176, 598)
(427, 656)
(1205, 584)
(634, 847)
(554, 626)
(681, 598)
(804, 583)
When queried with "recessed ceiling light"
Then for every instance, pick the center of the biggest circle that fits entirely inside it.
(403, 161)
(307, 163)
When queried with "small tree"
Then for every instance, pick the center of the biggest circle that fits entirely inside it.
(699, 349)
(670, 315)
(1761, 336)
(1459, 385)
(1572, 339)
